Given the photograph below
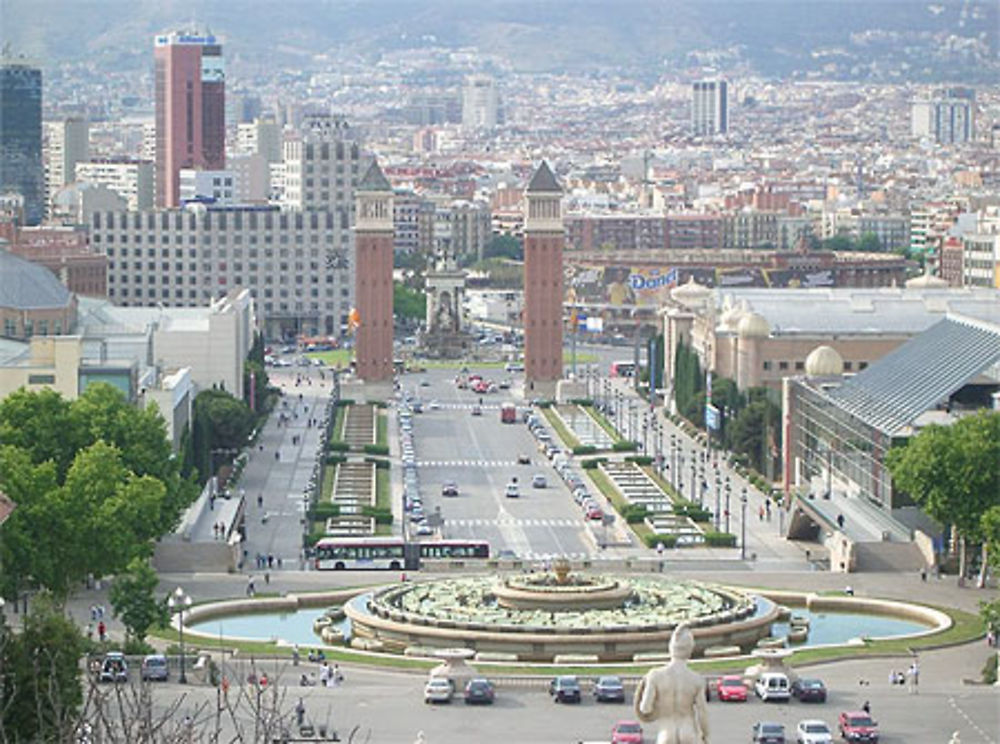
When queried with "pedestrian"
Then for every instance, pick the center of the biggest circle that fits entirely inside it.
(923, 574)
(295, 655)
(279, 562)
(102, 631)
(260, 500)
(866, 707)
(840, 521)
(892, 677)
(337, 676)
(420, 738)
(90, 631)
(270, 561)
(914, 678)
(760, 513)
(267, 577)
(100, 611)
(250, 587)
(93, 612)
(300, 713)
(277, 455)
(324, 675)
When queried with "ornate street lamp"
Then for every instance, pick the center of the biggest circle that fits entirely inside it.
(178, 602)
(743, 525)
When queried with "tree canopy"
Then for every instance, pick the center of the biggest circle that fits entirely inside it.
(95, 482)
(133, 598)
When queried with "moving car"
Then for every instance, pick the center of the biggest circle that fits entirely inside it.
(626, 732)
(524, 459)
(813, 731)
(809, 690)
(438, 690)
(565, 689)
(594, 512)
(154, 667)
(609, 689)
(766, 732)
(477, 411)
(772, 686)
(479, 690)
(730, 688)
(856, 725)
(450, 488)
(538, 481)
(114, 668)
(512, 491)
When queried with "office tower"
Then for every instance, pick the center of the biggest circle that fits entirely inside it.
(373, 231)
(260, 137)
(190, 110)
(947, 117)
(709, 107)
(480, 103)
(67, 143)
(544, 236)
(132, 179)
(321, 166)
(21, 169)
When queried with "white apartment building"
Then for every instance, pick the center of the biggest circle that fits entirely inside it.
(217, 186)
(709, 107)
(131, 179)
(260, 137)
(947, 117)
(981, 260)
(67, 143)
(322, 167)
(480, 103)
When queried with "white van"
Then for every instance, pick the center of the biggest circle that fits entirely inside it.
(772, 686)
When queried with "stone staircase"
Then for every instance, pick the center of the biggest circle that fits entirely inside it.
(359, 425)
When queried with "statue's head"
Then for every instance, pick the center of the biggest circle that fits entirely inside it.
(681, 643)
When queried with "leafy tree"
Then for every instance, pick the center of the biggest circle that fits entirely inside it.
(408, 303)
(837, 243)
(41, 686)
(950, 471)
(869, 243)
(255, 364)
(229, 420)
(504, 246)
(134, 600)
(40, 423)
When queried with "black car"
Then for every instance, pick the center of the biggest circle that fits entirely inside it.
(565, 690)
(765, 732)
(449, 489)
(609, 690)
(809, 690)
(479, 690)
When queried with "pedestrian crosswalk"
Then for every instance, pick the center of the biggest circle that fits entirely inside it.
(465, 463)
(532, 555)
(511, 522)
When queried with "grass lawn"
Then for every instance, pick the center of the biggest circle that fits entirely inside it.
(605, 486)
(564, 433)
(334, 358)
(603, 423)
(329, 476)
(337, 434)
(383, 494)
(381, 429)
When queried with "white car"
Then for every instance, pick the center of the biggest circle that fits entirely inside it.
(813, 731)
(438, 690)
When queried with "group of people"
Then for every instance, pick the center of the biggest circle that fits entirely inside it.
(219, 531)
(911, 677)
(97, 616)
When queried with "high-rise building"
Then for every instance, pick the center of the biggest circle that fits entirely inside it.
(373, 277)
(544, 236)
(67, 143)
(947, 117)
(480, 103)
(321, 167)
(21, 169)
(709, 107)
(132, 179)
(260, 137)
(190, 110)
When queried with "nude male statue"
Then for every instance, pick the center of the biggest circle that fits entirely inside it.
(674, 696)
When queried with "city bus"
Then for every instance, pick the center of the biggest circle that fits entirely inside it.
(623, 368)
(508, 413)
(390, 552)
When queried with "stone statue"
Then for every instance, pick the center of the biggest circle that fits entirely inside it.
(674, 696)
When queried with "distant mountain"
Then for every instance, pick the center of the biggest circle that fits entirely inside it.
(841, 38)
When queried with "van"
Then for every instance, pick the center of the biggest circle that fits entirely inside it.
(772, 686)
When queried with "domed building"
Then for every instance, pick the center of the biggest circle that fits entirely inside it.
(33, 302)
(824, 361)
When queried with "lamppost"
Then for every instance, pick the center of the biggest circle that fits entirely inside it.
(179, 601)
(718, 494)
(743, 524)
(673, 460)
(694, 475)
(729, 492)
(618, 412)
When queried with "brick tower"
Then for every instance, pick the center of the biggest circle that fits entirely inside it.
(373, 276)
(543, 283)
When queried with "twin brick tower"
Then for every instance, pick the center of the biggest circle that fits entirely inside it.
(543, 281)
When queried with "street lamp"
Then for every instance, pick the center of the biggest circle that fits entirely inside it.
(179, 601)
(673, 456)
(718, 493)
(694, 475)
(729, 492)
(743, 524)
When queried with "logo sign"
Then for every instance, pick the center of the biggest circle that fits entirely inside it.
(649, 280)
(712, 417)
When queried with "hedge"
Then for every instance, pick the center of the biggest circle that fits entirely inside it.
(338, 446)
(592, 463)
(584, 449)
(692, 511)
(324, 511)
(634, 513)
(378, 463)
(376, 449)
(625, 446)
(380, 404)
(640, 459)
(652, 539)
(382, 516)
(335, 459)
(544, 404)
(345, 402)
(720, 540)
(581, 401)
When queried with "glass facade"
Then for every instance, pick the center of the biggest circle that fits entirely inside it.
(829, 449)
(21, 168)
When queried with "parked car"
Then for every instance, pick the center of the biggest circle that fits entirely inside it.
(766, 732)
(512, 491)
(538, 481)
(813, 731)
(609, 689)
(594, 512)
(730, 688)
(809, 690)
(565, 689)
(772, 686)
(424, 529)
(438, 690)
(154, 667)
(114, 668)
(450, 488)
(626, 732)
(856, 725)
(479, 690)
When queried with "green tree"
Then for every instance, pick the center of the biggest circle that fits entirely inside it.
(837, 243)
(40, 423)
(133, 598)
(229, 419)
(504, 246)
(869, 243)
(41, 684)
(951, 472)
(408, 303)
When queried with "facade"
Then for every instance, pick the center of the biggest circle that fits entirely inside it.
(373, 289)
(132, 179)
(980, 260)
(32, 301)
(190, 110)
(947, 117)
(322, 167)
(216, 186)
(295, 264)
(462, 229)
(261, 137)
(21, 169)
(67, 143)
(709, 107)
(480, 103)
(64, 251)
(413, 223)
(543, 282)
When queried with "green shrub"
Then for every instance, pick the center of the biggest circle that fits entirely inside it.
(544, 404)
(584, 449)
(625, 446)
(382, 515)
(640, 459)
(581, 401)
(692, 511)
(592, 463)
(315, 534)
(376, 449)
(380, 404)
(652, 540)
(324, 511)
(345, 402)
(378, 462)
(335, 459)
(990, 670)
(720, 540)
(338, 446)
(634, 513)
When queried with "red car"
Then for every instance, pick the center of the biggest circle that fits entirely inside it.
(730, 688)
(626, 732)
(856, 725)
(594, 512)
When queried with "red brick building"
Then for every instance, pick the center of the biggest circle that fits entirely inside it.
(373, 232)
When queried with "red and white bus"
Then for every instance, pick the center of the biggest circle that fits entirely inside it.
(390, 552)
(624, 368)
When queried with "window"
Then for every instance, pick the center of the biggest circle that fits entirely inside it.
(862, 365)
(782, 365)
(767, 365)
(848, 366)
(799, 366)
(41, 379)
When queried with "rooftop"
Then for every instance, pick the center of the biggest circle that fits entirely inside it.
(28, 286)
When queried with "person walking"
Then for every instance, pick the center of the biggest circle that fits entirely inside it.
(300, 713)
(102, 631)
(914, 677)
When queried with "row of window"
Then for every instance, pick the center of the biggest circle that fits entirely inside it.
(268, 239)
(219, 220)
(800, 366)
(11, 330)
